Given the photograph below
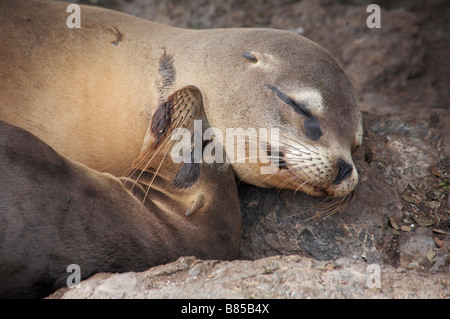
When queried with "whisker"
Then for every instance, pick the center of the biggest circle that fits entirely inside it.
(154, 176)
(290, 170)
(163, 144)
(293, 178)
(175, 123)
(331, 206)
(289, 138)
(286, 145)
(159, 166)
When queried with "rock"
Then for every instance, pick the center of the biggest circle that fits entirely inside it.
(270, 277)
(415, 246)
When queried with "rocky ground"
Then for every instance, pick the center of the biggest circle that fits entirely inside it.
(400, 219)
(271, 277)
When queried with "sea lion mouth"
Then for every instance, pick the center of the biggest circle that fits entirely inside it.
(319, 190)
(312, 190)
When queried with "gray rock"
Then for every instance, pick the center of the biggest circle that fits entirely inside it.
(271, 277)
(415, 247)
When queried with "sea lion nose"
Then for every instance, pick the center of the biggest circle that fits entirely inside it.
(344, 171)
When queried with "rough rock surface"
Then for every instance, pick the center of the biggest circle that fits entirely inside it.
(401, 215)
(271, 277)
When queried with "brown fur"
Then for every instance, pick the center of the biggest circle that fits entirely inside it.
(55, 212)
(91, 92)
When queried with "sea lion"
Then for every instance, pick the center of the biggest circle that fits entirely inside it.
(55, 212)
(90, 92)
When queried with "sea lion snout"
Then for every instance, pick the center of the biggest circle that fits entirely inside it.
(344, 171)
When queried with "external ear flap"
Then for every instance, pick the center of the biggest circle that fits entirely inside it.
(249, 55)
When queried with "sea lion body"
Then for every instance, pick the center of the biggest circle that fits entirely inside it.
(90, 92)
(55, 212)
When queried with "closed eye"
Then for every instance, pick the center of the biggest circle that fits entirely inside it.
(311, 123)
(299, 108)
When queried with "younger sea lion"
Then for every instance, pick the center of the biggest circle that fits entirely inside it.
(55, 212)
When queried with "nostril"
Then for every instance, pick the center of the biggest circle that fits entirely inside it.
(344, 171)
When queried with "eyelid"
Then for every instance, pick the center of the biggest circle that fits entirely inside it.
(288, 100)
(311, 124)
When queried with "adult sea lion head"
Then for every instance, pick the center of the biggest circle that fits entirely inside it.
(277, 79)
